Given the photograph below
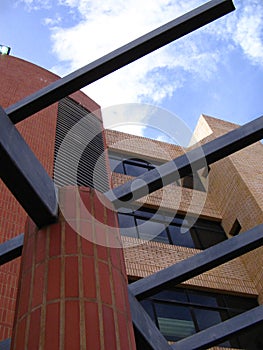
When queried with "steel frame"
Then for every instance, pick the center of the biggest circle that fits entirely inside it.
(38, 196)
(171, 171)
(38, 190)
(145, 326)
(11, 249)
(25, 176)
(223, 331)
(119, 58)
(199, 263)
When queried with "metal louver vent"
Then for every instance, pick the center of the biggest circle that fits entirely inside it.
(79, 148)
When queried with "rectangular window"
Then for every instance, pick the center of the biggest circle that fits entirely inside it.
(175, 322)
(128, 165)
(147, 225)
(181, 312)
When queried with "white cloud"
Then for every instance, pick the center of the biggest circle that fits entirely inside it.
(249, 31)
(35, 4)
(243, 28)
(107, 24)
(48, 21)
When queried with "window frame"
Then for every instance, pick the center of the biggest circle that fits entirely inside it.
(148, 164)
(194, 239)
(223, 308)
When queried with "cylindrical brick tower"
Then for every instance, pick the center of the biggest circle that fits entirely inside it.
(72, 291)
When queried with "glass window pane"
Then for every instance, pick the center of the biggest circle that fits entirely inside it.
(172, 295)
(148, 307)
(133, 169)
(175, 322)
(116, 166)
(206, 318)
(208, 238)
(239, 304)
(127, 225)
(201, 298)
(152, 230)
(179, 238)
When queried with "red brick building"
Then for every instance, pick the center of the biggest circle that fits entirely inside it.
(73, 286)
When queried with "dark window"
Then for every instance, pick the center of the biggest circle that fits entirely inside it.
(123, 164)
(129, 166)
(236, 228)
(179, 313)
(174, 321)
(146, 224)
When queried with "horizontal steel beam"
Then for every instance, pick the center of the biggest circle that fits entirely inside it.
(196, 158)
(119, 58)
(24, 175)
(223, 331)
(199, 263)
(11, 249)
(146, 327)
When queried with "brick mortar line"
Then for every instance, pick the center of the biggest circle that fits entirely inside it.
(44, 295)
(62, 290)
(83, 340)
(96, 268)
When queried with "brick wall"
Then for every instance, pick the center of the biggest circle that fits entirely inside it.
(142, 260)
(73, 286)
(145, 259)
(236, 184)
(20, 79)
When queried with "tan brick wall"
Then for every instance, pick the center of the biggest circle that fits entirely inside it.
(224, 183)
(236, 184)
(145, 259)
(137, 145)
(175, 198)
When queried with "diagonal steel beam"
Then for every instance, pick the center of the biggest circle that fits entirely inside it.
(11, 249)
(24, 175)
(146, 327)
(199, 263)
(119, 58)
(169, 172)
(223, 331)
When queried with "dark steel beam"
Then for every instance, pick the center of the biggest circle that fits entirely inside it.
(216, 334)
(119, 58)
(24, 175)
(146, 327)
(199, 263)
(171, 171)
(11, 249)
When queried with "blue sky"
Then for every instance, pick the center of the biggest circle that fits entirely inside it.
(217, 70)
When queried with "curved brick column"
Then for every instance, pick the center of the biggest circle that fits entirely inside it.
(22, 78)
(73, 286)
